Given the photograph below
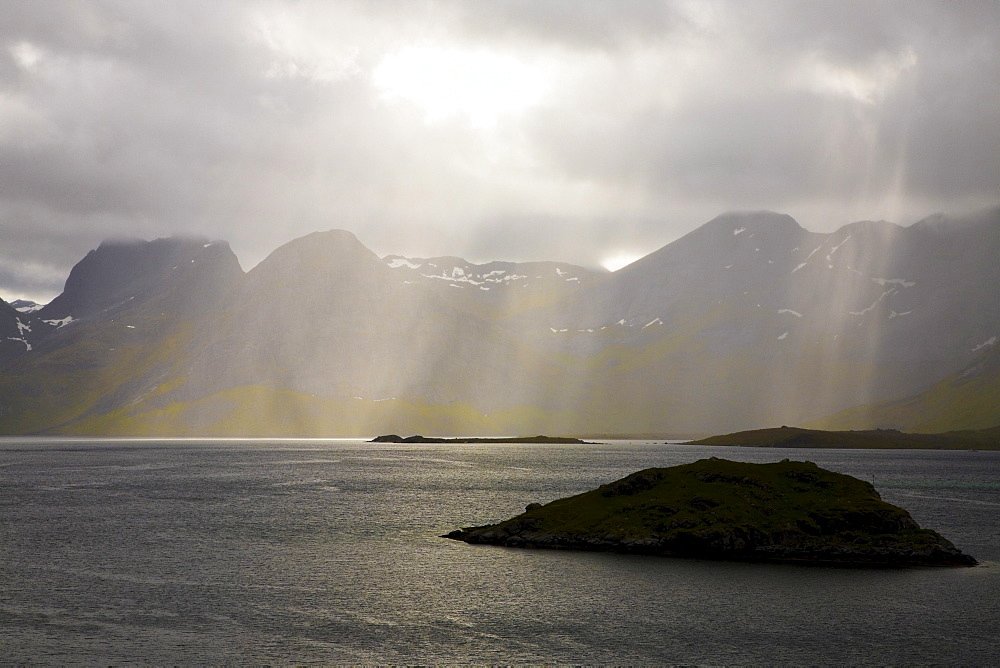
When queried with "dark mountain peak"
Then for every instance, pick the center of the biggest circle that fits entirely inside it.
(870, 231)
(317, 266)
(120, 270)
(942, 223)
(737, 233)
(7, 308)
(741, 229)
(739, 222)
(26, 305)
(153, 248)
(332, 250)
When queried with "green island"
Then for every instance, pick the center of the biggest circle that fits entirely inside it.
(393, 438)
(788, 511)
(796, 437)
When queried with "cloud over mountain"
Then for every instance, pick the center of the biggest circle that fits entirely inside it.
(521, 131)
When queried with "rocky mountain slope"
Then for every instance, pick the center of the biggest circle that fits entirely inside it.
(748, 321)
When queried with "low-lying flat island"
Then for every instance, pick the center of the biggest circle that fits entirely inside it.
(548, 440)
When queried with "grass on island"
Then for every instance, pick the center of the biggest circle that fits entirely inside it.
(714, 508)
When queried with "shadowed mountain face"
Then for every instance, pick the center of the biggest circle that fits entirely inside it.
(118, 272)
(751, 320)
(325, 316)
(747, 321)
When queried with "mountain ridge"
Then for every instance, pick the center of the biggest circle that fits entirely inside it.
(747, 321)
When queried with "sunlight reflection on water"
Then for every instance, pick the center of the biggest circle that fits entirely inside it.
(225, 552)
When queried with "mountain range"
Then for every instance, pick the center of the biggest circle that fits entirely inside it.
(746, 322)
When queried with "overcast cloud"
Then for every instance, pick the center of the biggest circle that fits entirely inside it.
(521, 130)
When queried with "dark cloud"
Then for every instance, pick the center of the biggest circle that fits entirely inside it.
(261, 122)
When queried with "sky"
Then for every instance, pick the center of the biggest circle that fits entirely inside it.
(571, 130)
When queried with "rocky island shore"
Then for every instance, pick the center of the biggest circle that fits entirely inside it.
(786, 511)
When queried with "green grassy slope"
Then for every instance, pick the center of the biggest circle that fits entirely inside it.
(794, 437)
(966, 400)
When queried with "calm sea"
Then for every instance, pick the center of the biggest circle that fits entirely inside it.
(302, 551)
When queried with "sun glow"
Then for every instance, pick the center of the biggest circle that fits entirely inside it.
(481, 85)
(619, 260)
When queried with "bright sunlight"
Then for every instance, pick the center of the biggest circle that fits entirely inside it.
(449, 82)
(619, 260)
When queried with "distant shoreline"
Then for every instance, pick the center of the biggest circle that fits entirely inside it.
(886, 439)
(394, 438)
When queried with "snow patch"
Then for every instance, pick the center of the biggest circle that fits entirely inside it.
(788, 310)
(29, 309)
(22, 328)
(893, 314)
(815, 250)
(27, 346)
(452, 280)
(739, 230)
(894, 281)
(836, 248)
(129, 326)
(398, 262)
(876, 303)
(655, 321)
(988, 342)
(783, 336)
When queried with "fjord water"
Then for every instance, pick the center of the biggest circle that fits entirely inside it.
(282, 551)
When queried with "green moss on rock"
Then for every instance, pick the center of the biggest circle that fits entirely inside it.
(718, 509)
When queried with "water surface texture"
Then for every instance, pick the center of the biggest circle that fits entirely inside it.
(328, 551)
